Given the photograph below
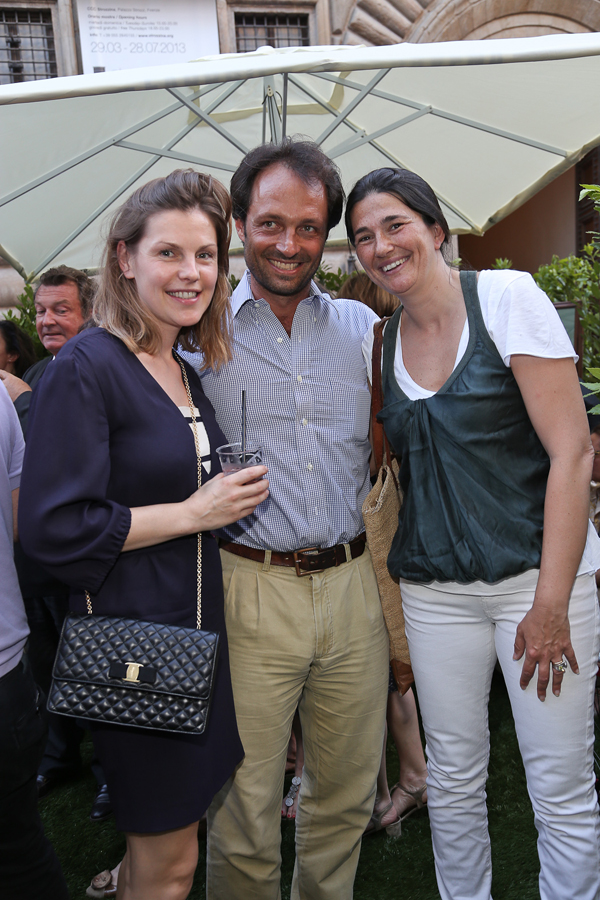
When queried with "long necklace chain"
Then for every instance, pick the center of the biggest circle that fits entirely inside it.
(199, 461)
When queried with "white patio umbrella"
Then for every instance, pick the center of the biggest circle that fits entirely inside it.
(487, 123)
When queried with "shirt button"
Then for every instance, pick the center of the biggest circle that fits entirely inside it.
(305, 421)
(299, 378)
(299, 340)
(280, 340)
(310, 467)
(256, 305)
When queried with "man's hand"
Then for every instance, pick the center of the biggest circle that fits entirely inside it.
(15, 386)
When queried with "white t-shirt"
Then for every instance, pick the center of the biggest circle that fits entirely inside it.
(519, 318)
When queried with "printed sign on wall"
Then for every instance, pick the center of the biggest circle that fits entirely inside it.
(128, 34)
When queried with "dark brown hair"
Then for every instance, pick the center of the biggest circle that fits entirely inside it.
(18, 341)
(360, 287)
(304, 158)
(409, 188)
(117, 306)
(62, 275)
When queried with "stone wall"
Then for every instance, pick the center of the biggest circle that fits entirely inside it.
(376, 22)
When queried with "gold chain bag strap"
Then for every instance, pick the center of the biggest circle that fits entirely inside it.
(137, 673)
(380, 513)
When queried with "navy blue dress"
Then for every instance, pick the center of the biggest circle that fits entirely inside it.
(104, 437)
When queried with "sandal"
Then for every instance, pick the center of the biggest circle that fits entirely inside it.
(102, 886)
(415, 794)
(290, 797)
(375, 824)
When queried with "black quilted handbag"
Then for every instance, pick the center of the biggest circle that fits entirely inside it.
(131, 672)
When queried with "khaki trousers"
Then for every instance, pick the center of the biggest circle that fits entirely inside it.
(318, 642)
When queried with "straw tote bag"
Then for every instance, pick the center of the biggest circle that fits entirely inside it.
(380, 513)
(131, 672)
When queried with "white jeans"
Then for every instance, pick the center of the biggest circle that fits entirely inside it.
(454, 640)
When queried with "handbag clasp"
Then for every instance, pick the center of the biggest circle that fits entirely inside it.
(133, 671)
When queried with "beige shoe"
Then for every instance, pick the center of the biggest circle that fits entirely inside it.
(394, 829)
(416, 794)
(102, 885)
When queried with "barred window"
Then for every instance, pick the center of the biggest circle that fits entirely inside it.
(253, 30)
(26, 45)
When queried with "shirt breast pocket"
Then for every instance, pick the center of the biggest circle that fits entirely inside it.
(344, 408)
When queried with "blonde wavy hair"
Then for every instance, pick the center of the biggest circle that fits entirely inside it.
(117, 306)
(360, 287)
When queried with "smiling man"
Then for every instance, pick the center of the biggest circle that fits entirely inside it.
(303, 614)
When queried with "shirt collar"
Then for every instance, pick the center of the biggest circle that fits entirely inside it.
(243, 293)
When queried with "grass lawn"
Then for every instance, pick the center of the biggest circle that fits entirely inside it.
(401, 869)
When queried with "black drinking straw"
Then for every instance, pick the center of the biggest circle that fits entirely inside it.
(243, 426)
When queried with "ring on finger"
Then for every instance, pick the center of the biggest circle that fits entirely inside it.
(560, 667)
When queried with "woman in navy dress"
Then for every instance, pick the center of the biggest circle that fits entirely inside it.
(110, 502)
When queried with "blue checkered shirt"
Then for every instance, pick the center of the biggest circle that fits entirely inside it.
(308, 407)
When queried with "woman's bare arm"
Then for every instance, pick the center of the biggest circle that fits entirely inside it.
(551, 392)
(222, 500)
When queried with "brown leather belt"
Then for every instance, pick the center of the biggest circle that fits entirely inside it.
(306, 561)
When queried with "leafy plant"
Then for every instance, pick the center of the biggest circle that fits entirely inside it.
(502, 263)
(593, 192)
(25, 319)
(576, 279)
(594, 388)
(330, 280)
(233, 282)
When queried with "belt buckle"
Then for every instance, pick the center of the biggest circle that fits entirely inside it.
(295, 553)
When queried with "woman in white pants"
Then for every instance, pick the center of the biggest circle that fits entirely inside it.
(482, 406)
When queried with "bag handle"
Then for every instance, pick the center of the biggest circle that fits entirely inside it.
(381, 447)
(186, 384)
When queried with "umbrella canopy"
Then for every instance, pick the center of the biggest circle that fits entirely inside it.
(487, 123)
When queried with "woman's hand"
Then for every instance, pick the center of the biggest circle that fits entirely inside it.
(222, 500)
(15, 386)
(544, 636)
(226, 498)
(552, 396)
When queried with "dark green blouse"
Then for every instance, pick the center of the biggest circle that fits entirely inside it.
(473, 470)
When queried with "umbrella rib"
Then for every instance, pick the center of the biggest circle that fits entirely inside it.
(509, 135)
(359, 139)
(98, 212)
(343, 114)
(471, 123)
(54, 173)
(284, 105)
(218, 128)
(373, 143)
(14, 263)
(457, 212)
(160, 153)
(440, 197)
(184, 157)
(221, 99)
(327, 106)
